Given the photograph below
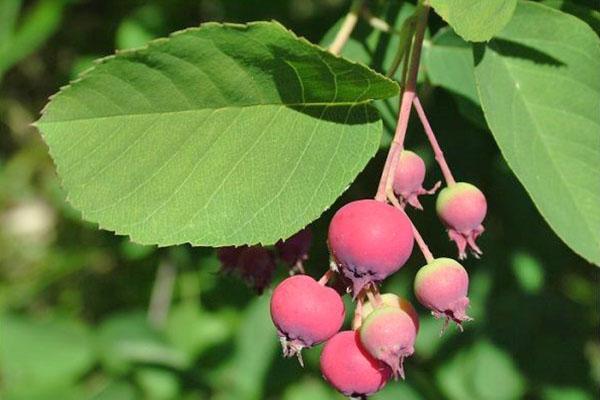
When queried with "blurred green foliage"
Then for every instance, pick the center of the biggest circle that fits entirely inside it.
(80, 309)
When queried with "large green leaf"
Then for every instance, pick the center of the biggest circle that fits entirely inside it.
(475, 20)
(539, 85)
(219, 135)
(586, 10)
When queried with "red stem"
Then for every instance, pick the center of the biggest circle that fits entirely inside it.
(419, 239)
(326, 277)
(439, 154)
(357, 320)
(397, 144)
(422, 245)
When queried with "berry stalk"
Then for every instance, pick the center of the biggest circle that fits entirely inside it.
(326, 277)
(385, 183)
(418, 238)
(439, 154)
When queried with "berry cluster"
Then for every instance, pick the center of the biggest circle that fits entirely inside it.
(369, 240)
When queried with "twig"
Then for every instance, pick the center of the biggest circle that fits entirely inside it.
(404, 43)
(439, 154)
(385, 183)
(376, 22)
(162, 293)
(347, 27)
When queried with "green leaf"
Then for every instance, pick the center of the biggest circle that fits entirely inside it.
(475, 20)
(308, 389)
(449, 63)
(193, 330)
(9, 12)
(37, 26)
(126, 339)
(42, 354)
(219, 135)
(540, 90)
(116, 390)
(480, 372)
(158, 384)
(583, 9)
(243, 376)
(565, 393)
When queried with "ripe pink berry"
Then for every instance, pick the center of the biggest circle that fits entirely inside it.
(347, 366)
(392, 300)
(442, 287)
(409, 177)
(256, 266)
(294, 249)
(305, 313)
(369, 241)
(462, 208)
(388, 334)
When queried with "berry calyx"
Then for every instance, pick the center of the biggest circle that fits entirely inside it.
(442, 287)
(369, 240)
(350, 369)
(409, 177)
(462, 208)
(389, 334)
(392, 300)
(305, 313)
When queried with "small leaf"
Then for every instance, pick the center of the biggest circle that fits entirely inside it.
(475, 20)
(539, 87)
(219, 135)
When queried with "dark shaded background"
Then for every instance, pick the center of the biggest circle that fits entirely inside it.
(76, 320)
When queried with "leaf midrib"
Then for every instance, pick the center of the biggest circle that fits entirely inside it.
(41, 122)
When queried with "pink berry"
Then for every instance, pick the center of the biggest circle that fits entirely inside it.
(409, 177)
(347, 366)
(462, 208)
(369, 240)
(294, 249)
(442, 287)
(305, 313)
(389, 334)
(392, 300)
